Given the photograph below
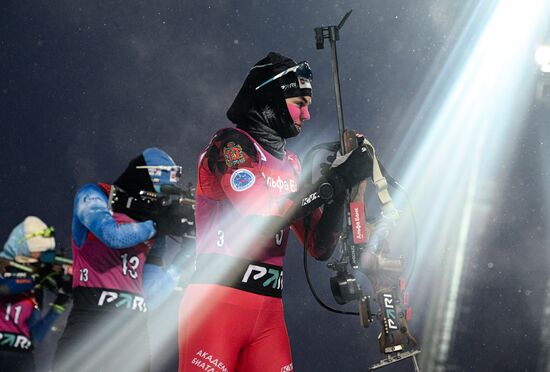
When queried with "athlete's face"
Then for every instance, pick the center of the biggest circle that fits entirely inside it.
(298, 110)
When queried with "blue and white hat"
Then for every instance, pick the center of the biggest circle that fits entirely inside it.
(31, 235)
(161, 168)
(148, 172)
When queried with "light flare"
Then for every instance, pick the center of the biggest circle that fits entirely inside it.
(469, 122)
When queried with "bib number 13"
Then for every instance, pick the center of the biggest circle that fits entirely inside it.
(130, 265)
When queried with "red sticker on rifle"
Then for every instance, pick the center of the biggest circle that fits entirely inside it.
(358, 224)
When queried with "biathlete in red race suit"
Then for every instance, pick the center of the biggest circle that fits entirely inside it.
(248, 199)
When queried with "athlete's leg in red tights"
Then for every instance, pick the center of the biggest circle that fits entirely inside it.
(223, 329)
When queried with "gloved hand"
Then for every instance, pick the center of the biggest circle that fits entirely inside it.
(3, 264)
(60, 301)
(47, 277)
(354, 166)
(174, 220)
(65, 284)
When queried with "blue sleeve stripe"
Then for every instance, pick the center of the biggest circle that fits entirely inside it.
(92, 213)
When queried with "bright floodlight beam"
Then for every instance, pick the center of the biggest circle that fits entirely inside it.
(542, 57)
(460, 136)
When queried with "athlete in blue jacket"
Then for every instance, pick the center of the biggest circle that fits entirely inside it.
(22, 325)
(106, 330)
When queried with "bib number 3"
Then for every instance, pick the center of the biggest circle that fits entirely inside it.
(221, 236)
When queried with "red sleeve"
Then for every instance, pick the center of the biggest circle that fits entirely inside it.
(299, 229)
(231, 169)
(245, 188)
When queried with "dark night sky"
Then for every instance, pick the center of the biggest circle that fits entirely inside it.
(85, 86)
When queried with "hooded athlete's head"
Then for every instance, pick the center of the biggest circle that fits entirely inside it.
(149, 171)
(260, 107)
(28, 239)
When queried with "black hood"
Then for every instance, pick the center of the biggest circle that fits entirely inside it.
(134, 180)
(263, 112)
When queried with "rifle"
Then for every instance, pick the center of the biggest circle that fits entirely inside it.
(49, 271)
(369, 253)
(173, 202)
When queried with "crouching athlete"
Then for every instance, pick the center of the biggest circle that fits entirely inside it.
(248, 199)
(23, 326)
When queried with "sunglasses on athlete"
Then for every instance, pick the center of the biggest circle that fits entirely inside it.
(302, 70)
(47, 232)
(175, 170)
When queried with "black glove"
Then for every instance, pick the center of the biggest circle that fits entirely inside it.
(60, 301)
(353, 167)
(3, 264)
(65, 284)
(174, 220)
(47, 277)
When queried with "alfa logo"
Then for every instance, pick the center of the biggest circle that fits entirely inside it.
(358, 222)
(282, 184)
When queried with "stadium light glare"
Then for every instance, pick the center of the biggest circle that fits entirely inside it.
(542, 57)
(459, 139)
